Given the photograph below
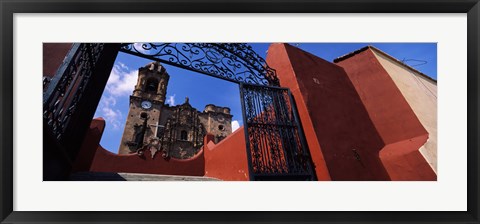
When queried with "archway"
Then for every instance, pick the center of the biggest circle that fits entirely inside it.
(276, 145)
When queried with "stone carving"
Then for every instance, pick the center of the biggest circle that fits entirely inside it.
(153, 146)
(183, 135)
(139, 135)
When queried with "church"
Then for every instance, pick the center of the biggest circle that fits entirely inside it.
(175, 131)
(365, 116)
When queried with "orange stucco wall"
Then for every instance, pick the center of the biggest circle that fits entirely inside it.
(388, 109)
(420, 91)
(356, 121)
(396, 123)
(404, 161)
(228, 159)
(278, 59)
(324, 95)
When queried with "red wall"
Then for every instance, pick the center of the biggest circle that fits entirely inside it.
(90, 145)
(324, 93)
(394, 119)
(105, 161)
(403, 161)
(278, 59)
(228, 159)
(355, 118)
(389, 111)
(53, 55)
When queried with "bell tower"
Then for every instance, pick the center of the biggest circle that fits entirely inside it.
(146, 104)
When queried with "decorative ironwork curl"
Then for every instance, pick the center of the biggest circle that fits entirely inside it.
(236, 62)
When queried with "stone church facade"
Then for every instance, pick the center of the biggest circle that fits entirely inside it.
(174, 131)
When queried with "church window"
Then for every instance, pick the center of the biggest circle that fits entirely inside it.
(220, 127)
(143, 115)
(183, 135)
(151, 86)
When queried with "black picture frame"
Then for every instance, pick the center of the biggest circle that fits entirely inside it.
(10, 7)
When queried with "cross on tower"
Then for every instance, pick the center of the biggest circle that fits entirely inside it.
(156, 125)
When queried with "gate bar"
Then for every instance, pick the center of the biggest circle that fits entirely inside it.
(245, 129)
(306, 150)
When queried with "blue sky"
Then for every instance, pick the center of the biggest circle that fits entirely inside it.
(203, 89)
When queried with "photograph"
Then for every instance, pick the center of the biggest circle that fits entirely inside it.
(240, 111)
(252, 111)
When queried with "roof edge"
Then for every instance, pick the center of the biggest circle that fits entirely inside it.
(353, 53)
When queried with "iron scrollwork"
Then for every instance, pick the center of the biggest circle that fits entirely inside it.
(66, 88)
(236, 62)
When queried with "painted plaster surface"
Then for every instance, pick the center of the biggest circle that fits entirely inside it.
(421, 94)
(348, 141)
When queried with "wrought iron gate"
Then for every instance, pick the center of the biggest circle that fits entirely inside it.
(71, 96)
(66, 88)
(276, 147)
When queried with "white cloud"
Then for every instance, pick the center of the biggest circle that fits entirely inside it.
(123, 66)
(120, 84)
(235, 125)
(121, 81)
(111, 115)
(171, 100)
(109, 101)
